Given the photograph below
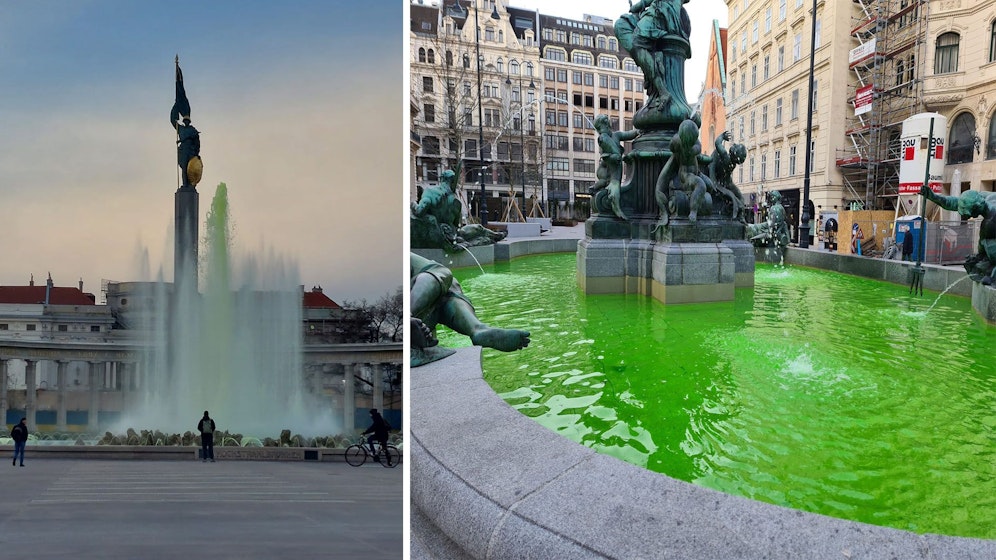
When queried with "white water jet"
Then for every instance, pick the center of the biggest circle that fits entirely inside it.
(235, 349)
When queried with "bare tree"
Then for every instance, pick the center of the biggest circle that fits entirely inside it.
(383, 318)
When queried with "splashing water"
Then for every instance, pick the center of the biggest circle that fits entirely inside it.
(234, 349)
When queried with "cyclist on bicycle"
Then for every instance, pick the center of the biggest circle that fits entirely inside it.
(379, 429)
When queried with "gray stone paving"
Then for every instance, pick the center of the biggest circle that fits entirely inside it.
(119, 509)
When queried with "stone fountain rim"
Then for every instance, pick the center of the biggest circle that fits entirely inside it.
(498, 484)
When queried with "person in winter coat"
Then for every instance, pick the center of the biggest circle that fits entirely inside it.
(20, 435)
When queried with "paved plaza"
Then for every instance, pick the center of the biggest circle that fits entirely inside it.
(107, 509)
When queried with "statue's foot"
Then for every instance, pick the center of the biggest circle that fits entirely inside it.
(693, 215)
(987, 281)
(506, 340)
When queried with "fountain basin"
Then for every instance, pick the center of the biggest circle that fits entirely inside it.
(462, 471)
(492, 483)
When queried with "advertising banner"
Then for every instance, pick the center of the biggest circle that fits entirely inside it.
(916, 148)
(863, 100)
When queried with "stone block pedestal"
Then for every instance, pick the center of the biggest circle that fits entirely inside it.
(686, 262)
(984, 301)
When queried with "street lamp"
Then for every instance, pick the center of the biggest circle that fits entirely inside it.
(483, 206)
(804, 227)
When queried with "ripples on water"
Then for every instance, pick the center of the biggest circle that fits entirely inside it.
(818, 391)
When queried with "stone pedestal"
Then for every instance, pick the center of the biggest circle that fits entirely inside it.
(686, 262)
(185, 236)
(683, 262)
(984, 301)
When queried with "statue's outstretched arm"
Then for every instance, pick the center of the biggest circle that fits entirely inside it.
(945, 202)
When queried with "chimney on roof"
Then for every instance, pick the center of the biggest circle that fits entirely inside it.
(317, 289)
(48, 288)
(81, 284)
(32, 282)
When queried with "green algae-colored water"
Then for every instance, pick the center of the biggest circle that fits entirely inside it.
(813, 390)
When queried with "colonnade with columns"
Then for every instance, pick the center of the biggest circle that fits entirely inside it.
(114, 378)
(109, 384)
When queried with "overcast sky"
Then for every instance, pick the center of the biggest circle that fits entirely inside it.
(701, 12)
(300, 109)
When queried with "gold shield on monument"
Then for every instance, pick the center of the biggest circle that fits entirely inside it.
(195, 167)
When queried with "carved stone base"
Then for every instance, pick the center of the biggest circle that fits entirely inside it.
(672, 273)
(984, 301)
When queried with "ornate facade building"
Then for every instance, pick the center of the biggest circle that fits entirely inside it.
(543, 79)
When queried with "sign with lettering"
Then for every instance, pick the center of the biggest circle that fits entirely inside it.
(916, 148)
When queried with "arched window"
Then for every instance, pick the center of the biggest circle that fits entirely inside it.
(601, 42)
(991, 140)
(466, 60)
(992, 41)
(501, 36)
(421, 54)
(946, 53)
(432, 56)
(612, 44)
(500, 65)
(529, 68)
(513, 67)
(961, 140)
(449, 58)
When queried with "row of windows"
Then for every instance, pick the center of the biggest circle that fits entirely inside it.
(506, 150)
(429, 56)
(551, 74)
(782, 12)
(757, 168)
(766, 65)
(587, 59)
(744, 132)
(600, 41)
(59, 328)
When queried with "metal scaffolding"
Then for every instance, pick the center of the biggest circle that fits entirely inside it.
(887, 61)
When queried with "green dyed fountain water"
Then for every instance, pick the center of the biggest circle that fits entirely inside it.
(817, 391)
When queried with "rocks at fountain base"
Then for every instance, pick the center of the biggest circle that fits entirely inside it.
(984, 301)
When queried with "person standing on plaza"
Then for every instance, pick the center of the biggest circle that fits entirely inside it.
(206, 427)
(20, 436)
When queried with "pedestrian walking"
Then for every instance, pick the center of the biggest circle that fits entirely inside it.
(20, 436)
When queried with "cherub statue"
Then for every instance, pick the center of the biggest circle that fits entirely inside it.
(610, 166)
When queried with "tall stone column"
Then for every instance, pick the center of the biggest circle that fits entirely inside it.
(185, 240)
(3, 391)
(96, 378)
(60, 419)
(349, 398)
(30, 395)
(378, 386)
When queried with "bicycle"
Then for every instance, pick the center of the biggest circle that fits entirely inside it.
(359, 452)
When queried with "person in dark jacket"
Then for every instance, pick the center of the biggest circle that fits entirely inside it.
(206, 427)
(908, 245)
(20, 435)
(379, 428)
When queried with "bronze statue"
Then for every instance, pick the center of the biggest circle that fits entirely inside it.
(607, 189)
(188, 139)
(721, 169)
(435, 220)
(681, 179)
(972, 204)
(437, 299)
(774, 231)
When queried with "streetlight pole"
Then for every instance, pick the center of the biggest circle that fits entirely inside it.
(483, 205)
(804, 227)
(522, 142)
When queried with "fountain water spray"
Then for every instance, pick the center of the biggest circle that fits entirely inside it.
(234, 349)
